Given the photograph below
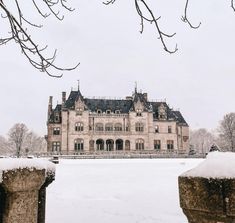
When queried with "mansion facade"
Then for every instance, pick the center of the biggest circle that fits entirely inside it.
(85, 125)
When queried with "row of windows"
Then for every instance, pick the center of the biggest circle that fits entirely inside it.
(139, 127)
(139, 145)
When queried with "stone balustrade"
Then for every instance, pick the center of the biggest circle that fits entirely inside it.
(23, 190)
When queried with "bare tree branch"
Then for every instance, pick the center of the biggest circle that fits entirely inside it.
(185, 18)
(232, 5)
(28, 47)
(152, 20)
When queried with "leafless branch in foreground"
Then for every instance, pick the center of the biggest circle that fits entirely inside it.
(232, 5)
(152, 19)
(29, 48)
(185, 17)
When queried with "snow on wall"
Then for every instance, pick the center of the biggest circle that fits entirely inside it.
(217, 165)
(20, 163)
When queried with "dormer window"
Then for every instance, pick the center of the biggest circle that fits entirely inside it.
(138, 112)
(79, 111)
(117, 112)
(108, 112)
(57, 118)
(162, 112)
(99, 111)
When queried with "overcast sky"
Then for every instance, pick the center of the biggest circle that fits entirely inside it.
(198, 79)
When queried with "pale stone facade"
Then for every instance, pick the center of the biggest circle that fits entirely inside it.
(82, 125)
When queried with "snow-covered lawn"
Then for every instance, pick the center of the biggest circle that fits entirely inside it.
(117, 191)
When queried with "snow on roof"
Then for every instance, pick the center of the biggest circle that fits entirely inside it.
(20, 163)
(217, 165)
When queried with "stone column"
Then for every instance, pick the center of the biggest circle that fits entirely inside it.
(21, 188)
(207, 200)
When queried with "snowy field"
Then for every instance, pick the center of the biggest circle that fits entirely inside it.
(117, 191)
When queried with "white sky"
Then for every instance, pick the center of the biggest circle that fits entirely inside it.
(198, 79)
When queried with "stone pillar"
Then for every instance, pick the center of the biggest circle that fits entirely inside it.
(207, 200)
(21, 188)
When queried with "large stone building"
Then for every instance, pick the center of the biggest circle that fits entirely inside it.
(134, 124)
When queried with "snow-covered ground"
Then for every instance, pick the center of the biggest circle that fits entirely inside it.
(117, 191)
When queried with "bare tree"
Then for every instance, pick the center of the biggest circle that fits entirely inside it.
(17, 136)
(34, 143)
(13, 12)
(5, 146)
(227, 131)
(201, 140)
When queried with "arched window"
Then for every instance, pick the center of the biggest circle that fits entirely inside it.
(109, 127)
(78, 144)
(79, 126)
(139, 144)
(118, 127)
(139, 127)
(99, 127)
(99, 111)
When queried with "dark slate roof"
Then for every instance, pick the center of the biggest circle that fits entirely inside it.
(73, 96)
(179, 117)
(123, 105)
(108, 104)
(171, 115)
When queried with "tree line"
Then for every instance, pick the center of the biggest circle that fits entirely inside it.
(223, 137)
(20, 141)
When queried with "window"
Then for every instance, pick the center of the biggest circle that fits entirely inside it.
(109, 127)
(127, 128)
(57, 118)
(56, 131)
(170, 144)
(156, 129)
(79, 111)
(108, 112)
(139, 144)
(117, 112)
(138, 112)
(139, 127)
(79, 126)
(99, 127)
(169, 129)
(78, 144)
(118, 127)
(99, 111)
(157, 144)
(55, 146)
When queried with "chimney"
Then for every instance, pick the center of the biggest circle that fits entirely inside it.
(49, 108)
(146, 96)
(63, 98)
